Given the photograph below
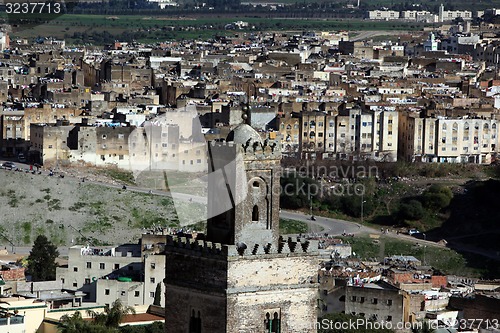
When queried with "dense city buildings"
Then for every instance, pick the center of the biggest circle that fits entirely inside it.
(230, 112)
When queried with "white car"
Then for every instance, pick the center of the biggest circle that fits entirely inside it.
(413, 231)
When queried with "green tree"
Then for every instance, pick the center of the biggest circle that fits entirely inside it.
(76, 324)
(411, 210)
(42, 260)
(437, 197)
(112, 316)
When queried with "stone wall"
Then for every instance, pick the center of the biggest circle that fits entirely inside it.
(182, 302)
(297, 309)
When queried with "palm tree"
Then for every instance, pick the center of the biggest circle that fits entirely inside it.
(72, 324)
(76, 324)
(112, 316)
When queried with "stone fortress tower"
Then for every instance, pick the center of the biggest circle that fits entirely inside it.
(242, 277)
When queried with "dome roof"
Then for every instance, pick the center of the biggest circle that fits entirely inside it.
(242, 133)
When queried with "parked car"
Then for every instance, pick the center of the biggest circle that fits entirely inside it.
(8, 165)
(411, 232)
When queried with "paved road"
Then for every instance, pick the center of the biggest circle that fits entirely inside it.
(372, 33)
(327, 225)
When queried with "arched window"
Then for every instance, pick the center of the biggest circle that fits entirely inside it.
(444, 127)
(255, 213)
(255, 184)
(272, 325)
(289, 127)
(494, 126)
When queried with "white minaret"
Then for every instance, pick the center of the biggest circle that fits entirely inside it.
(441, 13)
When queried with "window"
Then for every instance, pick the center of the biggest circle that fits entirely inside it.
(255, 213)
(89, 264)
(136, 293)
(50, 146)
(75, 269)
(152, 280)
(361, 300)
(195, 322)
(104, 136)
(117, 266)
(123, 293)
(152, 294)
(102, 265)
(374, 301)
(121, 136)
(272, 323)
(120, 157)
(87, 280)
(389, 302)
(106, 291)
(153, 265)
(389, 318)
(353, 298)
(75, 284)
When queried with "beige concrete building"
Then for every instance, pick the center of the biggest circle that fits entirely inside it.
(172, 141)
(353, 134)
(289, 129)
(49, 144)
(21, 315)
(452, 140)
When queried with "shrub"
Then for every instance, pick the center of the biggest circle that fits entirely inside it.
(412, 210)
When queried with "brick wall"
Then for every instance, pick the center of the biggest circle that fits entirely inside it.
(13, 274)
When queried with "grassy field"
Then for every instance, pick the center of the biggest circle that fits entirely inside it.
(288, 227)
(93, 29)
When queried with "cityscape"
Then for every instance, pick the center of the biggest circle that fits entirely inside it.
(249, 167)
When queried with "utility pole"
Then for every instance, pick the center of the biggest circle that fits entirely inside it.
(425, 245)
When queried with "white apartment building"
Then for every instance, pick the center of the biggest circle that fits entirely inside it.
(450, 15)
(448, 140)
(383, 15)
(131, 272)
(419, 16)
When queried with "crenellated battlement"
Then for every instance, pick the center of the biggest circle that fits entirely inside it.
(291, 246)
(269, 149)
